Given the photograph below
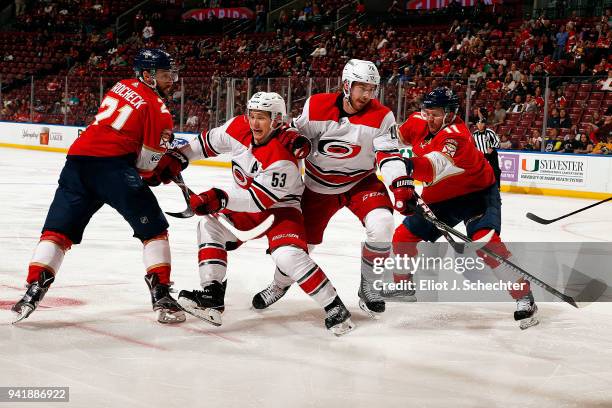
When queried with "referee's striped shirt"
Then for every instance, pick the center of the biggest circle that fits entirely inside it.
(485, 140)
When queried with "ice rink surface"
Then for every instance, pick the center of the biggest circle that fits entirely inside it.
(95, 331)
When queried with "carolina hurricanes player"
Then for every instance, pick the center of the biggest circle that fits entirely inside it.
(351, 133)
(459, 185)
(104, 166)
(267, 181)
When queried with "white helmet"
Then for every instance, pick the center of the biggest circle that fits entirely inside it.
(269, 102)
(360, 71)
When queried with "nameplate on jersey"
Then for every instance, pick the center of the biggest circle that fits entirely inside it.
(129, 95)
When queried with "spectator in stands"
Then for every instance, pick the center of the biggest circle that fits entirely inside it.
(394, 79)
(560, 100)
(260, 18)
(192, 121)
(535, 141)
(569, 143)
(499, 114)
(554, 119)
(606, 84)
(319, 51)
(565, 121)
(605, 129)
(561, 39)
(555, 140)
(538, 98)
(584, 145)
(518, 106)
(73, 100)
(53, 85)
(505, 143)
(530, 104)
(514, 73)
(604, 147)
(597, 120)
(148, 32)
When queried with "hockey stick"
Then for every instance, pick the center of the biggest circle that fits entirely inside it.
(242, 235)
(187, 212)
(591, 291)
(539, 220)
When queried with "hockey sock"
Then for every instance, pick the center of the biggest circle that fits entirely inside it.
(48, 254)
(282, 279)
(379, 230)
(156, 257)
(308, 275)
(212, 262)
(404, 243)
(501, 270)
(213, 242)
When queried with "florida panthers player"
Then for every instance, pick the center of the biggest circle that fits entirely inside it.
(104, 166)
(267, 181)
(459, 185)
(351, 133)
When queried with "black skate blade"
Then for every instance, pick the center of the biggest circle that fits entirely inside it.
(188, 213)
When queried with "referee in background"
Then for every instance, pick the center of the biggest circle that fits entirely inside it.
(487, 142)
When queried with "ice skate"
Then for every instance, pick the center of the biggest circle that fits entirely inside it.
(526, 310)
(35, 293)
(402, 291)
(166, 307)
(338, 318)
(206, 304)
(269, 296)
(370, 300)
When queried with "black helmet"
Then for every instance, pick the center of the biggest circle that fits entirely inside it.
(442, 97)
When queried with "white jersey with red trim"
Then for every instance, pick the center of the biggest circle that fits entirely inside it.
(346, 149)
(265, 176)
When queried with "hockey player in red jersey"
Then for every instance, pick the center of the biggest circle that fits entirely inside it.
(459, 185)
(267, 181)
(351, 133)
(104, 165)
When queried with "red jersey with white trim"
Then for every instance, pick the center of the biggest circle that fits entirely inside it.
(347, 148)
(130, 120)
(448, 163)
(265, 176)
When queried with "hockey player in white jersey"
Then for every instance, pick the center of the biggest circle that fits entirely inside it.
(267, 181)
(351, 133)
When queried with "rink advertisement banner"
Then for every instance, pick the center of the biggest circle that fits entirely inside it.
(589, 173)
(438, 273)
(58, 138)
(204, 14)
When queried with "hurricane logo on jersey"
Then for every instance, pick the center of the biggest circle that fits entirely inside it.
(241, 177)
(338, 149)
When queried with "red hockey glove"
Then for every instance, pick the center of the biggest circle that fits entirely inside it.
(169, 166)
(403, 192)
(208, 202)
(296, 144)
